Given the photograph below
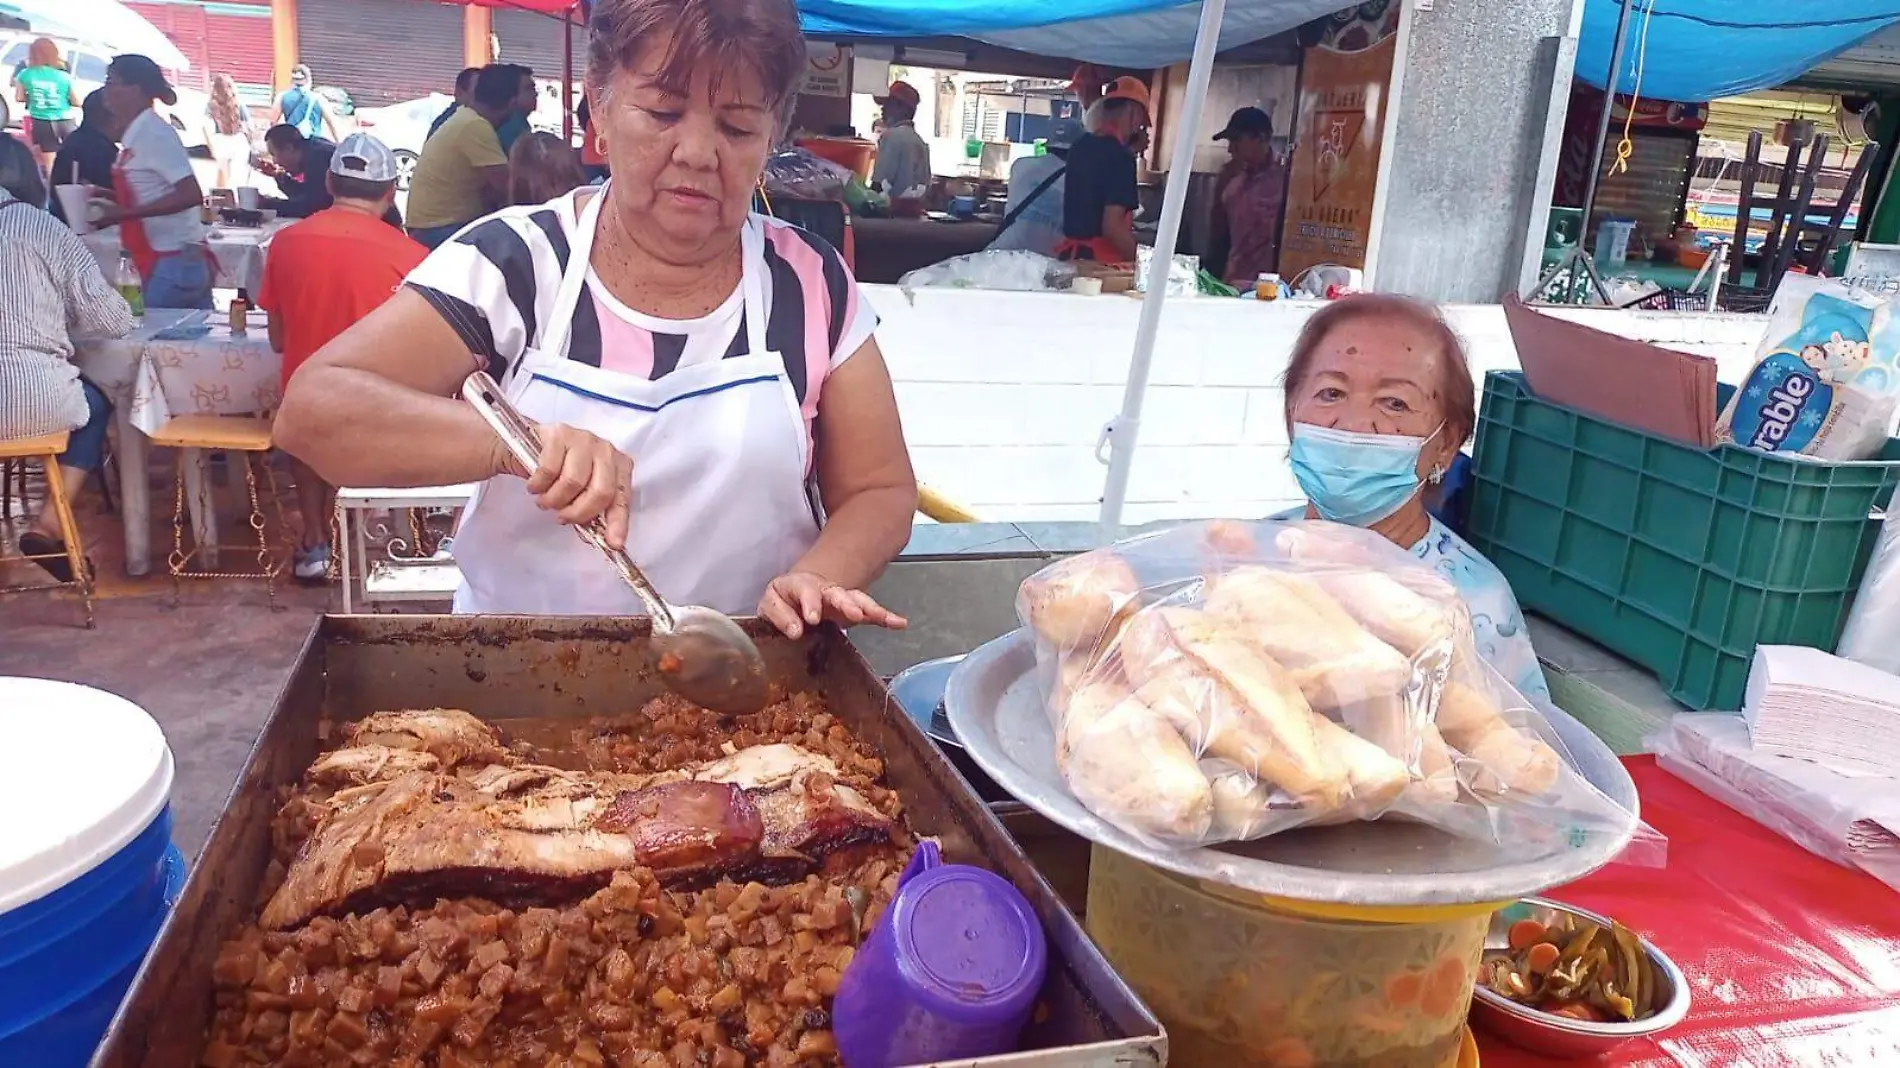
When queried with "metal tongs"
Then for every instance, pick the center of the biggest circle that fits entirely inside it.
(702, 654)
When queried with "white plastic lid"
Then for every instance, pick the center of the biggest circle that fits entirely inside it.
(82, 772)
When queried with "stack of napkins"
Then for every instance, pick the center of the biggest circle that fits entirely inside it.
(1852, 820)
(1814, 705)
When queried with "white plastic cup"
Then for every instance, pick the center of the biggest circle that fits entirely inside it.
(246, 198)
(1086, 286)
(76, 202)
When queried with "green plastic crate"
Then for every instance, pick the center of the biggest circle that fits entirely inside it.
(1679, 560)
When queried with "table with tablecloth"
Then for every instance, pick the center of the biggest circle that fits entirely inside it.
(151, 380)
(238, 250)
(1791, 960)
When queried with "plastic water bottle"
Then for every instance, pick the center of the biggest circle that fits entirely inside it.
(130, 286)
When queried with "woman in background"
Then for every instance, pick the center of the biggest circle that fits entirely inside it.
(542, 167)
(54, 288)
(46, 89)
(228, 133)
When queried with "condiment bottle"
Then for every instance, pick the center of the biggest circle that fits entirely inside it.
(130, 286)
(240, 313)
(1267, 287)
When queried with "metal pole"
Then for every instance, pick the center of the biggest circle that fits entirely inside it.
(567, 75)
(1124, 430)
(1609, 105)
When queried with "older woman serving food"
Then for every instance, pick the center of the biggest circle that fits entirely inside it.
(1378, 402)
(705, 379)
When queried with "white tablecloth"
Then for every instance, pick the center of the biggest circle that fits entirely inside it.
(240, 253)
(151, 380)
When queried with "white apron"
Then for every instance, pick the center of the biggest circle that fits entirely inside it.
(719, 505)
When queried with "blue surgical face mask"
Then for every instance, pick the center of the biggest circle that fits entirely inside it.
(1352, 478)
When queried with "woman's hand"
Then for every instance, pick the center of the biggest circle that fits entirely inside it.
(580, 477)
(800, 599)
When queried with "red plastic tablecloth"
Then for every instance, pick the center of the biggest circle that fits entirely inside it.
(1791, 960)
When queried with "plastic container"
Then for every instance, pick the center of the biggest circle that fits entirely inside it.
(950, 972)
(1267, 287)
(1239, 979)
(86, 883)
(1613, 242)
(1679, 560)
(851, 153)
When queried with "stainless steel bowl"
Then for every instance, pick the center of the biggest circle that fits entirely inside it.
(1558, 1036)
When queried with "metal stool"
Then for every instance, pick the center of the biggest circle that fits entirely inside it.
(46, 450)
(241, 435)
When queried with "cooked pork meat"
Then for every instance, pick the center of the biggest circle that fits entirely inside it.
(523, 834)
(451, 736)
(363, 764)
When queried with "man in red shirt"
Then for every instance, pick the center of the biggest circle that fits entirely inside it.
(323, 274)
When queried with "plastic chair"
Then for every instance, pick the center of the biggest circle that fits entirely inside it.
(245, 436)
(47, 449)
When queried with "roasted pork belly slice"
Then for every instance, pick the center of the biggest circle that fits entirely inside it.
(423, 836)
(526, 835)
(361, 764)
(814, 816)
(686, 830)
(451, 736)
(765, 767)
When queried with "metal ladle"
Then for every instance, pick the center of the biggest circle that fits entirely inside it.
(702, 654)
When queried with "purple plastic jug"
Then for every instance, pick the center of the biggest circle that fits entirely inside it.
(950, 971)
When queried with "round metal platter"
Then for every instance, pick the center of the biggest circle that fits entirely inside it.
(997, 709)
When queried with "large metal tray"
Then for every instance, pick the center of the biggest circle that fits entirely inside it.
(507, 668)
(996, 706)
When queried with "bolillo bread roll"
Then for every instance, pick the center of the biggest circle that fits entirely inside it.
(1130, 767)
(1071, 604)
(1333, 659)
(1508, 760)
(1261, 720)
(1243, 805)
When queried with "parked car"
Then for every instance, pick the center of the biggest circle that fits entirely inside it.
(403, 127)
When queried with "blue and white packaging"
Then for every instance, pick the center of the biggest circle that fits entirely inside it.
(1826, 379)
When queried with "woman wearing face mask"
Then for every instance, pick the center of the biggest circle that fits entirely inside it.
(1378, 402)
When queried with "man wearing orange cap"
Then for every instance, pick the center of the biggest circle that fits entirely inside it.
(903, 159)
(1099, 191)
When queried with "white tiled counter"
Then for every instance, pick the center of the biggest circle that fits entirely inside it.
(1005, 394)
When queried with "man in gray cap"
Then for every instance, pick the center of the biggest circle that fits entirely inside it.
(1033, 220)
(323, 275)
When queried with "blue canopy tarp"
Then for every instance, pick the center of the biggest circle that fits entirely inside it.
(1138, 34)
(1704, 49)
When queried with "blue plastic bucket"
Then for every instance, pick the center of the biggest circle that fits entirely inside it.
(87, 872)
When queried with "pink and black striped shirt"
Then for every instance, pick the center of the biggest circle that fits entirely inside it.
(495, 283)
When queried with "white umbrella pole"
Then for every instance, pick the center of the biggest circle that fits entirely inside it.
(1123, 431)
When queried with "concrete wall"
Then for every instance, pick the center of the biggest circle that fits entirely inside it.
(1464, 175)
(1003, 394)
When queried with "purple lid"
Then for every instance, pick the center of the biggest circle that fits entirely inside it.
(968, 944)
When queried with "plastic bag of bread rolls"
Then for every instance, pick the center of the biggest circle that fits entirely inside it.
(1227, 681)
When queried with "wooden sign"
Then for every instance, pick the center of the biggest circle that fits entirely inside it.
(1344, 96)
